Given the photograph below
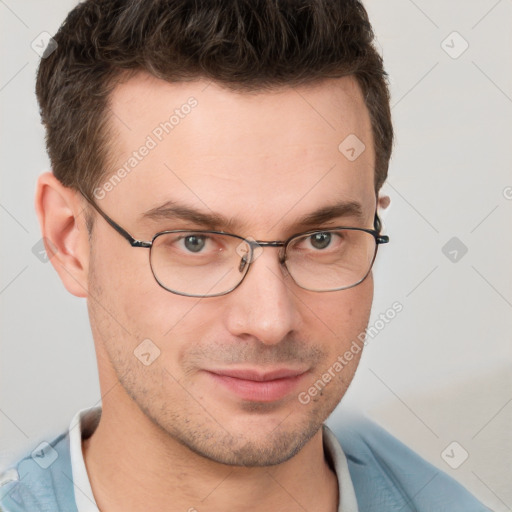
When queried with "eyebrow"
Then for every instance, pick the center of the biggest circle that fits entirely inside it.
(173, 210)
(328, 213)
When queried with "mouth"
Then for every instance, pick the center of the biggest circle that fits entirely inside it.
(256, 385)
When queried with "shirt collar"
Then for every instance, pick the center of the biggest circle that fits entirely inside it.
(83, 424)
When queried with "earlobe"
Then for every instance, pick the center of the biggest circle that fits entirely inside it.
(61, 218)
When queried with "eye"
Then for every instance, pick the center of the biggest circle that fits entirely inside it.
(194, 243)
(321, 240)
(320, 243)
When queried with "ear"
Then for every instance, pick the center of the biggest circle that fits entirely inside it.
(60, 211)
(383, 202)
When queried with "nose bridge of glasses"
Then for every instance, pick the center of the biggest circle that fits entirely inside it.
(257, 248)
(254, 250)
(261, 243)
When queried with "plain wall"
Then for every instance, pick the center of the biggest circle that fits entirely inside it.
(439, 372)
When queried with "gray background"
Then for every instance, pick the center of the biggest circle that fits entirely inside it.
(436, 374)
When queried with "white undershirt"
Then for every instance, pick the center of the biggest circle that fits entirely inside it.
(85, 422)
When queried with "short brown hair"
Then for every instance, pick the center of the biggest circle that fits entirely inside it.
(245, 45)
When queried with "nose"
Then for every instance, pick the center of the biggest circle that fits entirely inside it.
(264, 305)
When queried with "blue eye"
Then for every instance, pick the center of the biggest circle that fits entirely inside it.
(320, 240)
(194, 243)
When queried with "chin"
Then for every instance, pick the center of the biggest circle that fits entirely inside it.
(247, 451)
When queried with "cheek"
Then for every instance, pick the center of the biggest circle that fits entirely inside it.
(337, 324)
(342, 315)
(123, 293)
(172, 322)
(128, 306)
(123, 277)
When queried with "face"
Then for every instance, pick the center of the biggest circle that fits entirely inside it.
(230, 369)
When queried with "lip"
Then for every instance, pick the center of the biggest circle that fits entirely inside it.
(256, 385)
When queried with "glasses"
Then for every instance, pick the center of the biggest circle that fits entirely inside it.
(199, 263)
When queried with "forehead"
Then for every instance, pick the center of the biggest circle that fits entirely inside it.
(253, 156)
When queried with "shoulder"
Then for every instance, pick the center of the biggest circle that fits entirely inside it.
(387, 475)
(40, 482)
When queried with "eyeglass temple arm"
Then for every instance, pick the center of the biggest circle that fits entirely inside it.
(133, 241)
(380, 239)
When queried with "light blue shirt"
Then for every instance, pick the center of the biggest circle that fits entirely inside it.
(376, 473)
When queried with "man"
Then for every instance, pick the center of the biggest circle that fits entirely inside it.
(215, 197)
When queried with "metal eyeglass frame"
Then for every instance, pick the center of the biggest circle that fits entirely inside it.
(379, 239)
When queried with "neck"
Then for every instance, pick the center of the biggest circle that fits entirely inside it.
(133, 465)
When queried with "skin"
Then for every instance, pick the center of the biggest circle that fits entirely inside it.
(262, 161)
